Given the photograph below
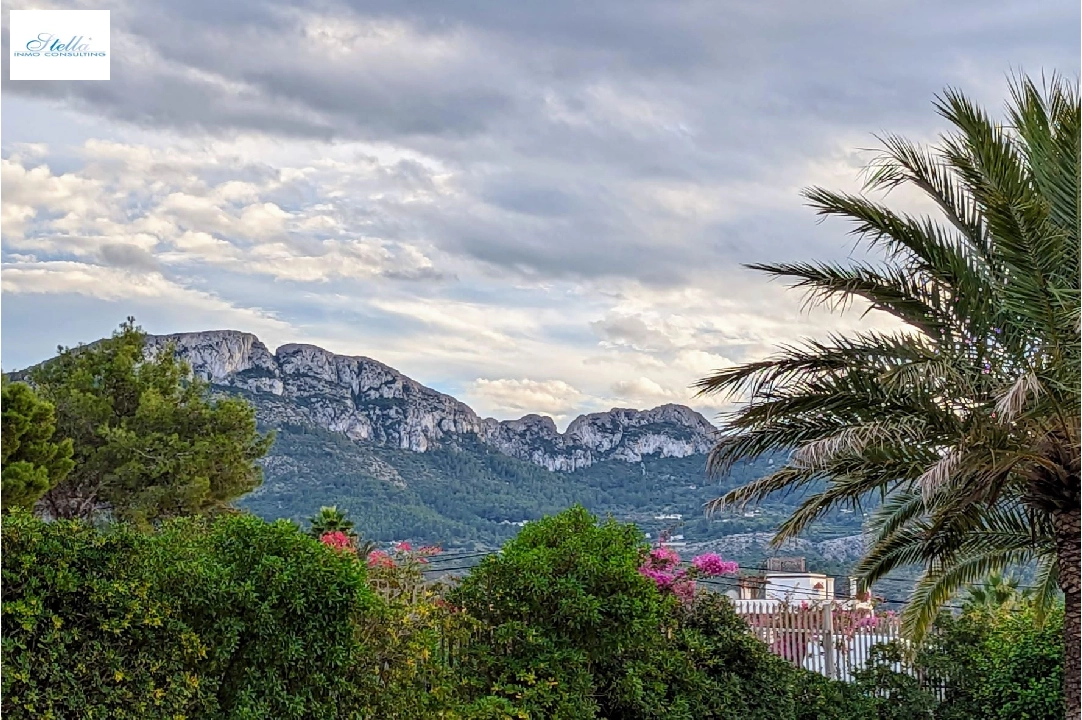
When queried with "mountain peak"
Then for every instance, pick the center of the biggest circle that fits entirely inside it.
(367, 400)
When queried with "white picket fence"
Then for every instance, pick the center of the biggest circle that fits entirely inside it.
(832, 638)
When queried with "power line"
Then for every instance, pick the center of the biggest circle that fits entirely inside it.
(450, 569)
(763, 568)
(457, 557)
(454, 557)
(799, 591)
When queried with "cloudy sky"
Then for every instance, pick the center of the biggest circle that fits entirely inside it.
(534, 206)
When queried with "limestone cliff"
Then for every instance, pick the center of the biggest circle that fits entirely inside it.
(367, 400)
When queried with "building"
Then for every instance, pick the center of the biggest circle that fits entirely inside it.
(787, 580)
(794, 587)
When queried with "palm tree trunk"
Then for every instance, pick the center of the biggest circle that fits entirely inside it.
(1068, 540)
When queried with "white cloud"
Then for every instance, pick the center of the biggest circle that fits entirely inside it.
(702, 363)
(645, 389)
(522, 396)
(111, 284)
(29, 191)
(185, 221)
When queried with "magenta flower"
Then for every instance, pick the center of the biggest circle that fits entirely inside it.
(661, 578)
(662, 566)
(662, 558)
(685, 590)
(403, 547)
(711, 564)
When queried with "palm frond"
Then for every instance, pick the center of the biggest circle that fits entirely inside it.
(938, 475)
(1010, 405)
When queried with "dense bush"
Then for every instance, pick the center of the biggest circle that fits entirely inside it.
(278, 614)
(417, 639)
(995, 661)
(571, 621)
(733, 673)
(237, 618)
(576, 630)
(999, 663)
(894, 695)
(816, 697)
(233, 618)
(88, 631)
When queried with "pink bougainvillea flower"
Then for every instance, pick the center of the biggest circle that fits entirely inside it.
(662, 566)
(403, 547)
(661, 578)
(664, 556)
(685, 590)
(337, 540)
(711, 564)
(429, 550)
(868, 621)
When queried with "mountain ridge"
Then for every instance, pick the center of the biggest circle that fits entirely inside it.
(411, 463)
(367, 400)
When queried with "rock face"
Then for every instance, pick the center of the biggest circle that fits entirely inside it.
(367, 400)
(619, 434)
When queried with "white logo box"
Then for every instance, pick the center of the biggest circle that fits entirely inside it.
(59, 44)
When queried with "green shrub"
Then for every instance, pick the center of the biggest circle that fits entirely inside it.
(573, 630)
(999, 663)
(735, 674)
(416, 640)
(816, 697)
(231, 618)
(895, 695)
(87, 630)
(573, 625)
(278, 613)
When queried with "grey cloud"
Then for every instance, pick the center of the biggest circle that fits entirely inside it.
(127, 256)
(780, 52)
(546, 112)
(524, 197)
(258, 174)
(626, 329)
(581, 247)
(417, 274)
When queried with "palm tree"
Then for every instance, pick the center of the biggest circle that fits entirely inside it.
(965, 422)
(331, 519)
(1000, 591)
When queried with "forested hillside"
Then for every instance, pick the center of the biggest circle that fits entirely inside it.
(465, 494)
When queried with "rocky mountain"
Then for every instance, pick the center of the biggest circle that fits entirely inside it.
(367, 400)
(410, 463)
